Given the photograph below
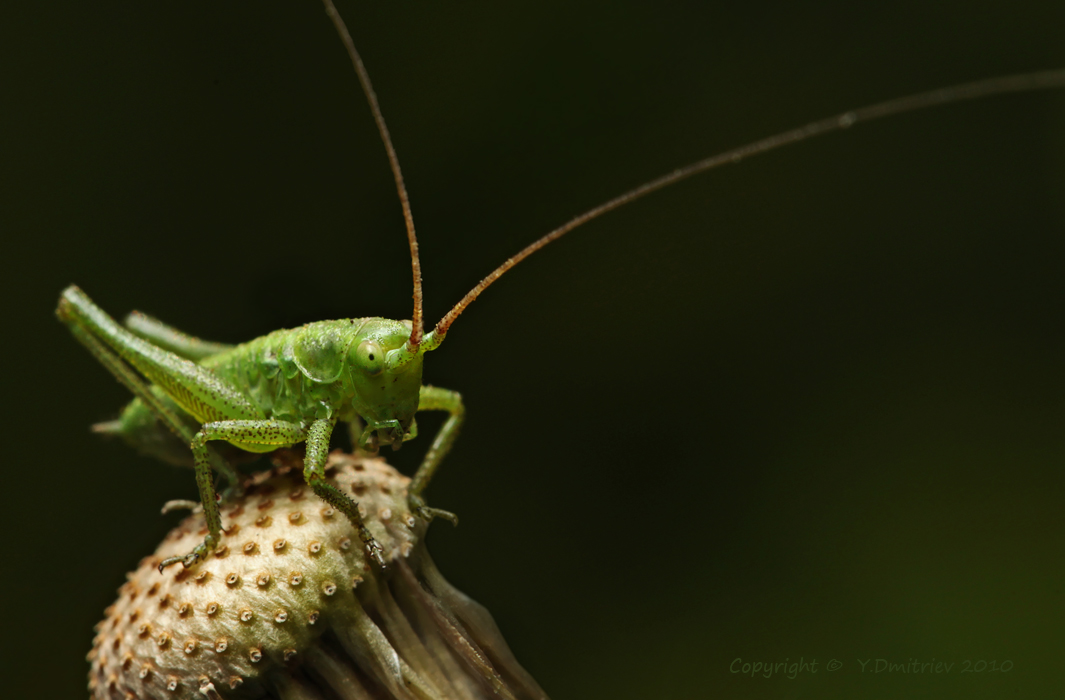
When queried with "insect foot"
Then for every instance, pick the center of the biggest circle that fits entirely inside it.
(418, 507)
(289, 606)
(179, 504)
(198, 554)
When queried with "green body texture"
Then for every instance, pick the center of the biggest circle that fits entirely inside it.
(330, 370)
(288, 387)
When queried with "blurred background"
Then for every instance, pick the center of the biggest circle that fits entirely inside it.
(810, 406)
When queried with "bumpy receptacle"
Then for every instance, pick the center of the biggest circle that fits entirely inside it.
(288, 607)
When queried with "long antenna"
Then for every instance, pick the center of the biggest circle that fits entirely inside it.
(982, 88)
(418, 324)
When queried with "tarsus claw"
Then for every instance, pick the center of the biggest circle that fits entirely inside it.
(198, 553)
(372, 548)
(427, 514)
(418, 507)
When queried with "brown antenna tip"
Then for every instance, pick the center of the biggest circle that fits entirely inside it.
(1025, 82)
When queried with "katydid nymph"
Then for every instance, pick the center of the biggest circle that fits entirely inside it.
(293, 386)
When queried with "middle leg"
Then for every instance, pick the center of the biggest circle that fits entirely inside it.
(272, 433)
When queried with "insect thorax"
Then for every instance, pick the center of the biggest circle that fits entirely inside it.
(329, 369)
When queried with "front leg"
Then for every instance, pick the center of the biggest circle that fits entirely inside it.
(434, 398)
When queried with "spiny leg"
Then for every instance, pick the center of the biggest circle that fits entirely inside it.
(191, 387)
(434, 398)
(314, 474)
(253, 432)
(279, 434)
(196, 389)
(142, 390)
(209, 500)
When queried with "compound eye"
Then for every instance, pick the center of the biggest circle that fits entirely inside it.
(371, 357)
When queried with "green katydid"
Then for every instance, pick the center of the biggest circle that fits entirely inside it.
(294, 385)
(287, 387)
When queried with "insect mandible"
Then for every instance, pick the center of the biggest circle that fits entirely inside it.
(294, 385)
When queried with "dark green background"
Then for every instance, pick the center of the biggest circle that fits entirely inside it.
(813, 405)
